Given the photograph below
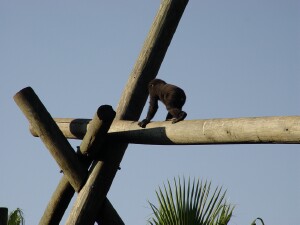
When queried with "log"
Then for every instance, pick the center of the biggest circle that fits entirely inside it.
(64, 191)
(284, 130)
(108, 215)
(52, 137)
(150, 58)
(3, 216)
(273, 129)
(71, 128)
(58, 203)
(98, 127)
(88, 199)
(130, 107)
(61, 199)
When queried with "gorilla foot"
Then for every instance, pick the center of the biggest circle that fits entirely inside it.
(181, 117)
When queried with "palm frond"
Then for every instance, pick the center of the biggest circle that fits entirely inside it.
(16, 217)
(190, 203)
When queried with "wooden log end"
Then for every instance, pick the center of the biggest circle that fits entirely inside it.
(97, 132)
(23, 91)
(23, 96)
(106, 112)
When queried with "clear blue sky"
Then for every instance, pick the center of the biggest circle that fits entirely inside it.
(233, 58)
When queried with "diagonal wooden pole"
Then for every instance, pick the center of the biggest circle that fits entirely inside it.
(64, 191)
(133, 99)
(51, 135)
(75, 173)
(150, 59)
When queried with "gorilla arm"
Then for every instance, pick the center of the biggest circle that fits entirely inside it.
(153, 106)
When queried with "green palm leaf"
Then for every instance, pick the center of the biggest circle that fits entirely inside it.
(190, 203)
(16, 217)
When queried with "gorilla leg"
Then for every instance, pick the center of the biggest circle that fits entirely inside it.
(169, 116)
(177, 114)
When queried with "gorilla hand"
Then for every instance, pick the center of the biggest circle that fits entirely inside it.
(143, 123)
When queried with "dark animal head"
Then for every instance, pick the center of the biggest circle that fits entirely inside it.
(155, 83)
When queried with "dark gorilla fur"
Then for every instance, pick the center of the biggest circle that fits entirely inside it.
(172, 96)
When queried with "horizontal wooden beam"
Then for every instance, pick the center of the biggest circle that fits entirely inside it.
(276, 129)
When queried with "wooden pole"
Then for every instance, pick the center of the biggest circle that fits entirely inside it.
(130, 107)
(3, 216)
(52, 137)
(64, 191)
(61, 199)
(71, 128)
(150, 58)
(285, 130)
(87, 200)
(58, 203)
(96, 134)
(273, 129)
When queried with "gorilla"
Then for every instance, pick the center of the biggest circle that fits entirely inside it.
(173, 98)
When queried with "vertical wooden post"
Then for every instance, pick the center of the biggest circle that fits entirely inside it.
(130, 107)
(3, 216)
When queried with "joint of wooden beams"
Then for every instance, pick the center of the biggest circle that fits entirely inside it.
(75, 171)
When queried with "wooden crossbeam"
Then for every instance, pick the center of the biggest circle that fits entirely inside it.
(273, 129)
